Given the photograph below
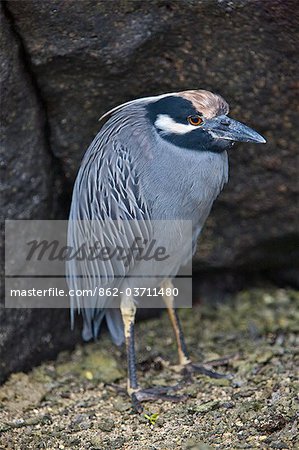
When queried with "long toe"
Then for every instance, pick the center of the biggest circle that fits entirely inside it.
(156, 393)
(191, 368)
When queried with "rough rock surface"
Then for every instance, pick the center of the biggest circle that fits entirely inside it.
(66, 62)
(88, 57)
(26, 336)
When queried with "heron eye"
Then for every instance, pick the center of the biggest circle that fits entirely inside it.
(195, 120)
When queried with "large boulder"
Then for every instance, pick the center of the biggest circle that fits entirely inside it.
(27, 179)
(66, 62)
(90, 56)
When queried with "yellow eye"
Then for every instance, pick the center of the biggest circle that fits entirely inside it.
(195, 120)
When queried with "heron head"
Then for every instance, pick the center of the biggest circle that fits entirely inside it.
(198, 120)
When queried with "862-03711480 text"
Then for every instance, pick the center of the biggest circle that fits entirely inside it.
(101, 291)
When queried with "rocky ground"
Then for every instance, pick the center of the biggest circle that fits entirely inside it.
(73, 403)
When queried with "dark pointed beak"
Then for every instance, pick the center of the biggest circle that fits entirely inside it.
(223, 127)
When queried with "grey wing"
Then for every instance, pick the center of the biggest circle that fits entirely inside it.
(108, 210)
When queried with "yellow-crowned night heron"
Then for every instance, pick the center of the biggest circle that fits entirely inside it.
(155, 158)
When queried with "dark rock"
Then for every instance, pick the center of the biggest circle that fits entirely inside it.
(89, 57)
(25, 164)
(66, 63)
(26, 336)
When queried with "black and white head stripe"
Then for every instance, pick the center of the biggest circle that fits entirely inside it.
(168, 125)
(169, 114)
(170, 117)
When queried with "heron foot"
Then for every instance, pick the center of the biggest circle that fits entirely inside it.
(155, 393)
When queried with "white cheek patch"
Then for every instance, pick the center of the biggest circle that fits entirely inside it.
(168, 125)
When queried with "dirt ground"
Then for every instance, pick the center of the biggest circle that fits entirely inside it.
(73, 402)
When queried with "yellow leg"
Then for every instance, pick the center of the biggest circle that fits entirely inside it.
(184, 359)
(128, 311)
(169, 301)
